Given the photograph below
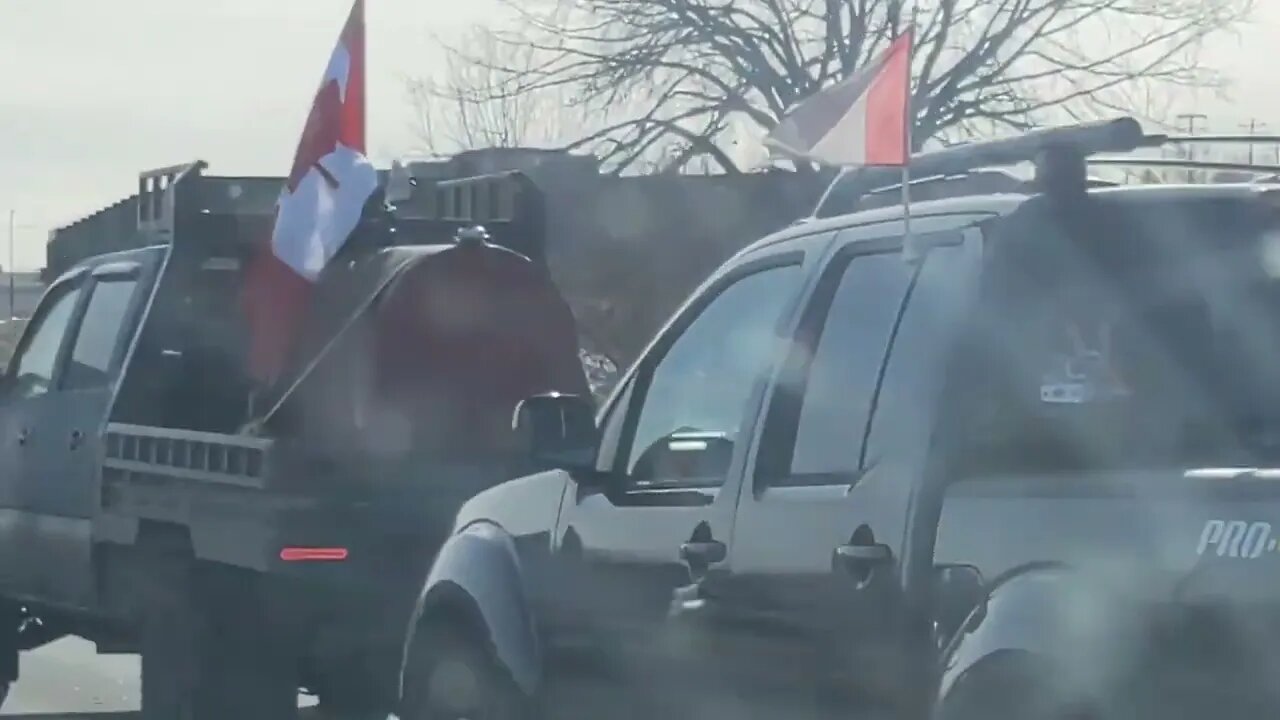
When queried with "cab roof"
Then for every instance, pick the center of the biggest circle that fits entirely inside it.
(1006, 203)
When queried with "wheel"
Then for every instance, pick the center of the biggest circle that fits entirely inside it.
(452, 676)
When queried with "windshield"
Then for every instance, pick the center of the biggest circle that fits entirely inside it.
(1140, 338)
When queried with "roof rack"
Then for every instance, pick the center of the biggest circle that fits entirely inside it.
(1076, 142)
(952, 169)
(1220, 139)
(1182, 164)
(183, 202)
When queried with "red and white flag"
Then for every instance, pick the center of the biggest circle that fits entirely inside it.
(319, 207)
(861, 120)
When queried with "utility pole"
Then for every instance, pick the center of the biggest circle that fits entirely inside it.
(12, 225)
(1191, 119)
(1252, 127)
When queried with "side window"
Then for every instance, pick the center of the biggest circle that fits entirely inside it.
(33, 368)
(913, 376)
(819, 414)
(99, 334)
(693, 398)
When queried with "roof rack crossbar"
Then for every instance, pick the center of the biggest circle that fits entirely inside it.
(1184, 164)
(1241, 139)
(1119, 135)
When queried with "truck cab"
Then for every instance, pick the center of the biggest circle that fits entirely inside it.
(57, 389)
(972, 465)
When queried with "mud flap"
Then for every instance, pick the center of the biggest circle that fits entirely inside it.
(10, 644)
(169, 623)
(208, 650)
(248, 663)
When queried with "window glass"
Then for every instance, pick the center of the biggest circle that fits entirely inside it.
(703, 381)
(912, 377)
(844, 370)
(34, 368)
(1141, 342)
(99, 334)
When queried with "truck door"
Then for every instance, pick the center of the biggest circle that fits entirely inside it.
(61, 479)
(29, 380)
(813, 588)
(671, 459)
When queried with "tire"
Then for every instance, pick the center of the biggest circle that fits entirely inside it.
(450, 675)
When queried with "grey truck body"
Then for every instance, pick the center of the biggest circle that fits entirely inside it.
(839, 479)
(122, 439)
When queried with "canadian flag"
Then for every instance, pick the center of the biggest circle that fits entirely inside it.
(319, 207)
(861, 120)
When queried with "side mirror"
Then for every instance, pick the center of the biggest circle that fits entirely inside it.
(961, 598)
(560, 429)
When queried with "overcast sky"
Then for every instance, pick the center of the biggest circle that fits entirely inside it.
(92, 91)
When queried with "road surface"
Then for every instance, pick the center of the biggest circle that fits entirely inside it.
(68, 681)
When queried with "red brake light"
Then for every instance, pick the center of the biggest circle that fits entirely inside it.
(319, 554)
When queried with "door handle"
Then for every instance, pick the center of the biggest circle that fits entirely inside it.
(703, 552)
(77, 437)
(23, 436)
(861, 559)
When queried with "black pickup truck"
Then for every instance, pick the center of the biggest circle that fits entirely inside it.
(145, 504)
(1018, 462)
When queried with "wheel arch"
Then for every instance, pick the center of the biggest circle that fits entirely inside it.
(1012, 683)
(1046, 623)
(476, 581)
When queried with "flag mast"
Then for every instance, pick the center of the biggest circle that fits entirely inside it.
(909, 250)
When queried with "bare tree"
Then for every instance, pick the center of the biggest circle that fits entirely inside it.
(478, 101)
(675, 73)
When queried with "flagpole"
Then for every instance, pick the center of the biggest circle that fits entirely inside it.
(909, 250)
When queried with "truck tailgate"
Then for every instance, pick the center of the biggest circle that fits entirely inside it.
(224, 489)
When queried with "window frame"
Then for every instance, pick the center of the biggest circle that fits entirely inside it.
(780, 425)
(784, 407)
(106, 273)
(632, 392)
(71, 282)
(942, 349)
